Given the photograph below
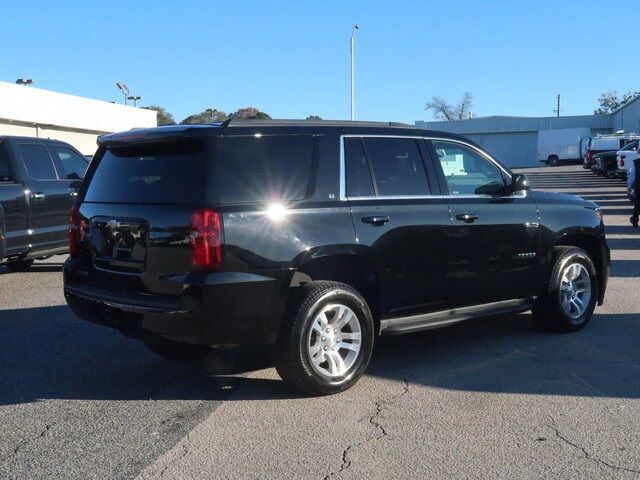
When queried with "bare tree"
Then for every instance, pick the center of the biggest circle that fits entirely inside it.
(464, 107)
(443, 110)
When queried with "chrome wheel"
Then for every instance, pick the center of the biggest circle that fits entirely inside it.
(575, 290)
(334, 340)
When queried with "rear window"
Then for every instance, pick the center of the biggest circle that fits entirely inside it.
(266, 168)
(170, 173)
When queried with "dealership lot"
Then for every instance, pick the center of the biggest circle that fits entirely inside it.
(495, 398)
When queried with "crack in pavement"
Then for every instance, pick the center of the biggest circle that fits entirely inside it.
(24, 442)
(185, 451)
(585, 452)
(380, 405)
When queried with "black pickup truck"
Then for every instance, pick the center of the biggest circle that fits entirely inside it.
(39, 179)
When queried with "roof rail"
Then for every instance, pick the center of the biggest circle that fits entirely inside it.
(244, 122)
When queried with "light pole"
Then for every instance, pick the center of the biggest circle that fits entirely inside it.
(352, 50)
(124, 89)
(135, 99)
(24, 81)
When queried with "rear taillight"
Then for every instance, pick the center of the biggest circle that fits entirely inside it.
(206, 239)
(622, 157)
(76, 229)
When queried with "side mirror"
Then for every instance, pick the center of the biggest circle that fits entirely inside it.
(519, 182)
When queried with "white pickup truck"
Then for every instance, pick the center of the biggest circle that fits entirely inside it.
(625, 157)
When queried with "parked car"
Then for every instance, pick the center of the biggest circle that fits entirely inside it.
(605, 143)
(605, 164)
(625, 157)
(39, 179)
(314, 237)
(562, 145)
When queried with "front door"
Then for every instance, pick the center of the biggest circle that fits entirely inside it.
(407, 230)
(496, 235)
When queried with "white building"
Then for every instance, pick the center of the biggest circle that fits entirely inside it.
(34, 112)
(514, 140)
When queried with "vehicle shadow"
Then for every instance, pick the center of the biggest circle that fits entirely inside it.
(49, 354)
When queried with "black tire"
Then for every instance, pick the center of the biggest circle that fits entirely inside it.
(548, 311)
(178, 352)
(553, 160)
(19, 265)
(292, 356)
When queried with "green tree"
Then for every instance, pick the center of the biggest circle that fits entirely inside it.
(163, 117)
(210, 115)
(250, 113)
(314, 117)
(610, 101)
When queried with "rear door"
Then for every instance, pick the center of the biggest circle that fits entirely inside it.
(48, 196)
(408, 229)
(496, 236)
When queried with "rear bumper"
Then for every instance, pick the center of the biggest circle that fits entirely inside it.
(226, 308)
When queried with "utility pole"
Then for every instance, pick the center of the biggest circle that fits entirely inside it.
(352, 47)
(558, 110)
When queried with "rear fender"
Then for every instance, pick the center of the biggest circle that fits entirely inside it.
(353, 265)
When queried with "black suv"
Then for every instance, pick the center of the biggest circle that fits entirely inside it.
(317, 236)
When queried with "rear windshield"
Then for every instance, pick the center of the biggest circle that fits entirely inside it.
(166, 173)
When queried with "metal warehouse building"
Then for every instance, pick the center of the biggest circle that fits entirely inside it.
(514, 140)
(34, 112)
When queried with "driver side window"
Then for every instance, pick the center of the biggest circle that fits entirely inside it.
(467, 172)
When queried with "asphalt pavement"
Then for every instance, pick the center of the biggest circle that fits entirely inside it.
(492, 398)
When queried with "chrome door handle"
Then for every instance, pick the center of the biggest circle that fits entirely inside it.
(467, 217)
(38, 196)
(376, 221)
(73, 192)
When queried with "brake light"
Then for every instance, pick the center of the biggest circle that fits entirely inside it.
(76, 229)
(206, 239)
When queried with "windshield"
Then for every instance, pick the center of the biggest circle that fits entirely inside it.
(631, 146)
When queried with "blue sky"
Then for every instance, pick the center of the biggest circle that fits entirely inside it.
(291, 59)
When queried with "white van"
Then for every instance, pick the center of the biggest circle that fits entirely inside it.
(561, 145)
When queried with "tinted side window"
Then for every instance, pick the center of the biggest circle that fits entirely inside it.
(466, 171)
(257, 169)
(38, 162)
(5, 167)
(397, 166)
(359, 183)
(73, 165)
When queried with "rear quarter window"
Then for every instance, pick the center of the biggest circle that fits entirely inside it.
(266, 168)
(164, 173)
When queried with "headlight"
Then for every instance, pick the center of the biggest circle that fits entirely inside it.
(598, 211)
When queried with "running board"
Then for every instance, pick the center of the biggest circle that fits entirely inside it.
(427, 321)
